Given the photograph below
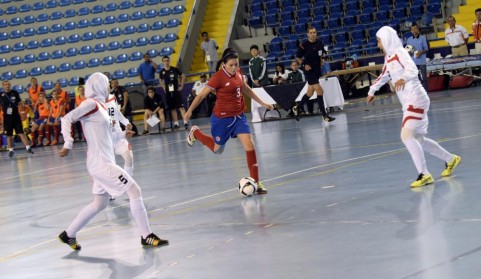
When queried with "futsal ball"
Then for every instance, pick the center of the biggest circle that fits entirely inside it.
(410, 49)
(247, 186)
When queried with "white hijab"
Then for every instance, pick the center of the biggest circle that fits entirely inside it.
(389, 39)
(97, 87)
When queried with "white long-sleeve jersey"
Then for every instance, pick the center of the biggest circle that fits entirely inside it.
(399, 65)
(115, 114)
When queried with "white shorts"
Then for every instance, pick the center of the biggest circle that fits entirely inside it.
(121, 146)
(113, 180)
(416, 118)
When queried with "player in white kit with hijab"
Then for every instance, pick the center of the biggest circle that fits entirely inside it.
(108, 178)
(399, 67)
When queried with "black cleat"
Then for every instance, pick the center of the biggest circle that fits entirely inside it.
(153, 241)
(70, 241)
(30, 150)
(328, 118)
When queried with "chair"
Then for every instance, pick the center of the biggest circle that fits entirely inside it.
(15, 60)
(101, 34)
(50, 69)
(56, 28)
(156, 39)
(100, 47)
(18, 87)
(75, 2)
(97, 9)
(139, 3)
(150, 14)
(71, 52)
(114, 45)
(110, 20)
(29, 19)
(61, 40)
(63, 82)
(28, 32)
(381, 16)
(7, 76)
(122, 58)
(157, 25)
(124, 5)
(74, 38)
(119, 74)
(74, 81)
(29, 58)
(143, 27)
(3, 62)
(166, 51)
(47, 42)
(18, 46)
(398, 14)
(114, 32)
(47, 84)
(136, 56)
(57, 54)
(108, 60)
(78, 65)
(270, 21)
(142, 41)
(129, 29)
(94, 62)
(64, 3)
(15, 34)
(110, 7)
(165, 11)
(69, 25)
(83, 23)
(153, 53)
(38, 6)
(69, 13)
(153, 2)
(43, 30)
(64, 67)
(137, 15)
(4, 36)
(178, 9)
(96, 21)
(172, 23)
(133, 72)
(15, 21)
(43, 56)
(56, 15)
(170, 37)
(83, 11)
(85, 50)
(87, 36)
(128, 43)
(42, 17)
(123, 18)
(11, 10)
(33, 44)
(434, 8)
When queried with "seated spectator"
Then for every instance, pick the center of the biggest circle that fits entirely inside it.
(281, 74)
(209, 100)
(153, 105)
(295, 75)
(57, 106)
(63, 95)
(79, 98)
(41, 112)
(325, 68)
(34, 90)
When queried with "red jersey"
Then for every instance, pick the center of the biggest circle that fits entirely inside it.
(228, 88)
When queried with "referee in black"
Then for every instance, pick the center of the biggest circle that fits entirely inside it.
(12, 107)
(312, 51)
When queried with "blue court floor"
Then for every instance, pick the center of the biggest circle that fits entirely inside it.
(339, 203)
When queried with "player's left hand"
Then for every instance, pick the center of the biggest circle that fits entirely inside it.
(63, 152)
(370, 99)
(128, 127)
(399, 85)
(129, 133)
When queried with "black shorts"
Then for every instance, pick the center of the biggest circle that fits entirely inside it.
(12, 122)
(312, 76)
(174, 100)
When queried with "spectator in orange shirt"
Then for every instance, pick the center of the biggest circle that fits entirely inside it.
(34, 90)
(57, 106)
(62, 95)
(79, 98)
(477, 31)
(42, 112)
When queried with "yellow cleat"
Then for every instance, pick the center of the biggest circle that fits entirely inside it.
(423, 179)
(451, 166)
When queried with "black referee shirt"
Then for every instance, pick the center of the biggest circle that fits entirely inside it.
(10, 99)
(311, 53)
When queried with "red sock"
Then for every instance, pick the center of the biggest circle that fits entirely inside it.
(252, 164)
(205, 139)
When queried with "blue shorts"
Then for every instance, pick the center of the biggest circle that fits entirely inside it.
(41, 121)
(224, 128)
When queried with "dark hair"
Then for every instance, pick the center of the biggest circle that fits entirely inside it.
(150, 88)
(477, 10)
(309, 27)
(81, 81)
(204, 33)
(229, 53)
(282, 67)
(254, 46)
(165, 56)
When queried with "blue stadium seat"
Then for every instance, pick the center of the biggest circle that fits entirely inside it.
(398, 14)
(382, 15)
(29, 58)
(36, 71)
(172, 23)
(166, 51)
(127, 43)
(350, 19)
(83, 11)
(123, 18)
(15, 60)
(137, 15)
(37, 6)
(69, 13)
(57, 54)
(50, 69)
(108, 60)
(71, 52)
(3, 23)
(165, 1)
(115, 32)
(129, 29)
(110, 19)
(74, 38)
(96, 21)
(153, 53)
(178, 9)
(64, 67)
(69, 25)
(60, 40)
(11, 10)
(43, 30)
(434, 8)
(153, 2)
(18, 87)
(156, 39)
(143, 27)
(88, 36)
(47, 84)
(77, 2)
(114, 45)
(133, 72)
(4, 36)
(56, 15)
(157, 25)
(63, 3)
(78, 65)
(270, 21)
(42, 17)
(427, 19)
(15, 34)
(85, 50)
(170, 37)
(43, 56)
(28, 32)
(74, 81)
(136, 55)
(56, 28)
(100, 47)
(150, 14)
(119, 74)
(124, 5)
(101, 34)
(3, 62)
(165, 11)
(15, 21)
(28, 19)
(110, 7)
(139, 3)
(97, 9)
(7, 76)
(94, 62)
(122, 58)
(19, 46)
(142, 41)
(32, 44)
(83, 23)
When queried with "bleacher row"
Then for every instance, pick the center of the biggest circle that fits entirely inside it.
(347, 27)
(59, 55)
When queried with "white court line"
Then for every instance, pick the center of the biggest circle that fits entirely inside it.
(390, 113)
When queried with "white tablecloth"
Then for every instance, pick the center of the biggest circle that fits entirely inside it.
(332, 97)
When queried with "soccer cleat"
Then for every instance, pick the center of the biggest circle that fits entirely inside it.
(328, 118)
(162, 131)
(186, 126)
(176, 127)
(30, 150)
(145, 132)
(451, 165)
(70, 241)
(11, 153)
(191, 138)
(296, 112)
(153, 241)
(260, 189)
(423, 179)
(54, 142)
(47, 143)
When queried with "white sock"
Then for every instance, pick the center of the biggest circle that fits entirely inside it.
(129, 162)
(436, 150)
(11, 149)
(27, 147)
(176, 123)
(99, 203)
(415, 149)
(137, 208)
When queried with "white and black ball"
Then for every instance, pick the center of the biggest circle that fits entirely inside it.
(247, 186)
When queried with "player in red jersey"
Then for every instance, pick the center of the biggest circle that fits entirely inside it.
(228, 119)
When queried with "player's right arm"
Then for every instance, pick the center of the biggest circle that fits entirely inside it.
(378, 83)
(85, 107)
